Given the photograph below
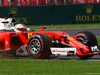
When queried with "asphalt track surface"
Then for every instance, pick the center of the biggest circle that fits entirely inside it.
(72, 32)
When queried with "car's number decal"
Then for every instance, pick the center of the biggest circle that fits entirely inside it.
(29, 35)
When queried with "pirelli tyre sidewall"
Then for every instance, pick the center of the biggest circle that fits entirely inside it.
(38, 39)
(42, 46)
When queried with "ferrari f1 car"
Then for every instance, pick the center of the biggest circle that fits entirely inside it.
(41, 44)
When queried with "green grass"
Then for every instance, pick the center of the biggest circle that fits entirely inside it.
(64, 26)
(47, 67)
(98, 39)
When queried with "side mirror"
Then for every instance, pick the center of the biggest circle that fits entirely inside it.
(44, 27)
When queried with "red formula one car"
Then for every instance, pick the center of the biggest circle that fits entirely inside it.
(41, 44)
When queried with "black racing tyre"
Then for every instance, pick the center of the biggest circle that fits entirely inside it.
(39, 46)
(85, 56)
(88, 39)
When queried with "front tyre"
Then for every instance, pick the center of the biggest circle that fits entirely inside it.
(39, 46)
(88, 39)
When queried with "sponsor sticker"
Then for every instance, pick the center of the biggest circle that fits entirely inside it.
(62, 51)
(22, 51)
(29, 35)
(70, 38)
(94, 48)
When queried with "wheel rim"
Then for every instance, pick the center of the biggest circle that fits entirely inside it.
(34, 46)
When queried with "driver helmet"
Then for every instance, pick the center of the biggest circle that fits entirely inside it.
(20, 26)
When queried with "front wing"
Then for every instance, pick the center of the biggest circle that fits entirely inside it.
(22, 51)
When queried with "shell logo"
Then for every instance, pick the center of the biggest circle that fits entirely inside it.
(70, 38)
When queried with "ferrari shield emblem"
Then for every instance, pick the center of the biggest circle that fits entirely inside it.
(29, 35)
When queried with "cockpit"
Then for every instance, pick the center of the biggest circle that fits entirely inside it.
(10, 25)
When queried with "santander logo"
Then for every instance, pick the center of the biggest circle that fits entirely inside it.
(61, 51)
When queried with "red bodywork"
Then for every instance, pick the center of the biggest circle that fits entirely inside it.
(10, 40)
